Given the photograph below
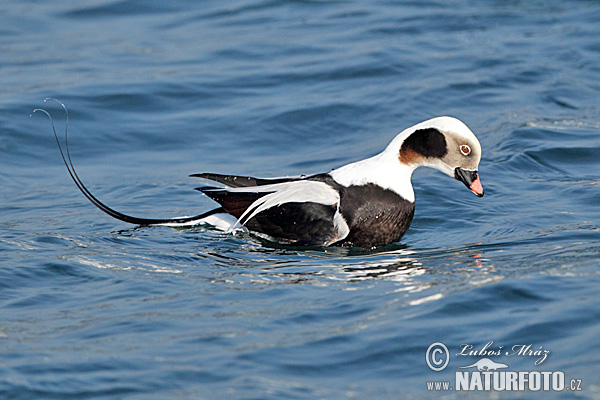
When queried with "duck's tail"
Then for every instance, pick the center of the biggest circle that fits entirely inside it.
(210, 217)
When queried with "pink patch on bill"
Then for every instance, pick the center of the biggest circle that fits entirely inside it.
(476, 187)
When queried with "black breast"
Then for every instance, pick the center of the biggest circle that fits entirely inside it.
(376, 216)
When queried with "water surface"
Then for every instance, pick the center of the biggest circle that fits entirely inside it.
(94, 308)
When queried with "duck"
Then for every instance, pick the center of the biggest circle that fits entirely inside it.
(367, 203)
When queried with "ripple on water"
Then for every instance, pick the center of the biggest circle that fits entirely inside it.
(94, 308)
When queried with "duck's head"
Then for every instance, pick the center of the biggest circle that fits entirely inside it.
(443, 143)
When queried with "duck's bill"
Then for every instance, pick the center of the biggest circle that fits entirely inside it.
(470, 179)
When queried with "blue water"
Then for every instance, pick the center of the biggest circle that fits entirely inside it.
(93, 308)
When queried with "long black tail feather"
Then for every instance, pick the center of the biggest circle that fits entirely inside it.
(95, 201)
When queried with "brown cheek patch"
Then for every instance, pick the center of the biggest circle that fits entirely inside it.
(408, 156)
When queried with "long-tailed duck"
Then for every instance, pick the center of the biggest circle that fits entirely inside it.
(366, 204)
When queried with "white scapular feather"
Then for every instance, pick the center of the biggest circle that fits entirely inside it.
(288, 192)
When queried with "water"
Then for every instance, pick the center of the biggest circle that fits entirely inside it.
(94, 308)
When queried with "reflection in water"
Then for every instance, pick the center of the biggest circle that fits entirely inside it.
(242, 255)
(398, 270)
(393, 262)
(241, 260)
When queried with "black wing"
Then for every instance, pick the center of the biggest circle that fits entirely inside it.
(306, 224)
(234, 203)
(303, 224)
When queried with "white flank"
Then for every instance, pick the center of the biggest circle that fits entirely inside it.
(341, 226)
(221, 221)
(224, 222)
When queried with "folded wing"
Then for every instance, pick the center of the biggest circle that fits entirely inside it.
(290, 210)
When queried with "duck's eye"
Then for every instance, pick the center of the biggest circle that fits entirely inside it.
(466, 150)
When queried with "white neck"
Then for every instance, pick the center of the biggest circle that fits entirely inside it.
(383, 170)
